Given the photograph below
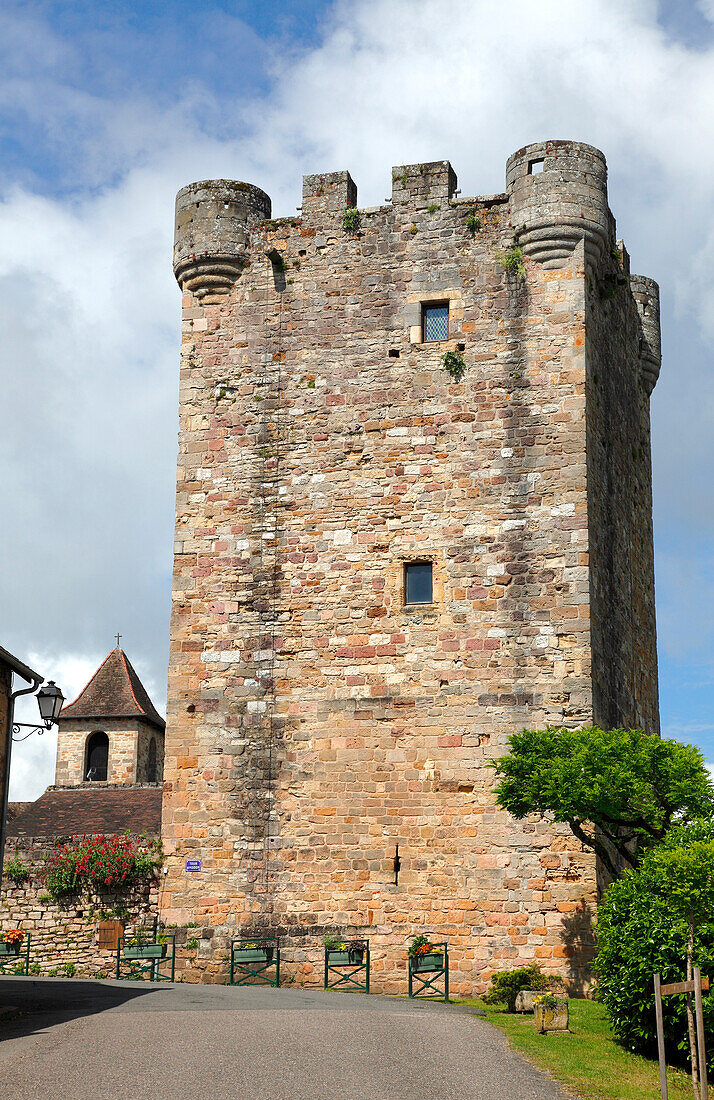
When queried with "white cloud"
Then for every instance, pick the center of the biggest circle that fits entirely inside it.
(89, 311)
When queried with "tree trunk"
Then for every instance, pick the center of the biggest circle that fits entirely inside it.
(690, 1014)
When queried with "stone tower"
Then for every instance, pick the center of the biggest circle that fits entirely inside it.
(413, 518)
(112, 732)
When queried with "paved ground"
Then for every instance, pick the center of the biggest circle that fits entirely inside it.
(111, 1040)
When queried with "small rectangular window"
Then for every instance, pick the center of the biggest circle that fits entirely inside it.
(418, 583)
(535, 167)
(435, 322)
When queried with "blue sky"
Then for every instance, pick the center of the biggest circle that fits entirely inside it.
(106, 109)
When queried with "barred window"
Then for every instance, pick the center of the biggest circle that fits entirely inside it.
(435, 322)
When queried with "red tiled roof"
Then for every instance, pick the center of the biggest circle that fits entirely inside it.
(85, 811)
(115, 691)
(15, 808)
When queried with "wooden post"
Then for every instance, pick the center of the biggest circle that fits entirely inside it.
(703, 1085)
(660, 1038)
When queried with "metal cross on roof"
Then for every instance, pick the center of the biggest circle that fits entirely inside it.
(118, 636)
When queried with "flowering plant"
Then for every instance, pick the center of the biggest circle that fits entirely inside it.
(105, 863)
(421, 945)
(13, 936)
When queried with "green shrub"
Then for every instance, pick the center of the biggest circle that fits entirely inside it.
(192, 944)
(507, 984)
(69, 970)
(34, 968)
(453, 363)
(104, 863)
(17, 871)
(513, 262)
(473, 222)
(642, 930)
(350, 219)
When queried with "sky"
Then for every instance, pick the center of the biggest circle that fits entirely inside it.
(106, 109)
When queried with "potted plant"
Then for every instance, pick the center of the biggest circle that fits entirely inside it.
(11, 941)
(254, 951)
(424, 955)
(551, 1013)
(341, 953)
(140, 946)
(336, 948)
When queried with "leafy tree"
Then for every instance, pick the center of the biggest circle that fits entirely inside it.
(617, 789)
(659, 918)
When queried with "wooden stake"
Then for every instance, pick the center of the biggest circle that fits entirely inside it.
(703, 1084)
(660, 1038)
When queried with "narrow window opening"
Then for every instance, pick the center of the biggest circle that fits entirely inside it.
(97, 760)
(397, 865)
(418, 582)
(535, 167)
(151, 762)
(394, 353)
(435, 322)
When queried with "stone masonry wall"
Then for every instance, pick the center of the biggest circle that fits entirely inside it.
(620, 508)
(328, 746)
(123, 734)
(65, 932)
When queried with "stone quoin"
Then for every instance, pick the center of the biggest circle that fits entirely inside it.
(328, 741)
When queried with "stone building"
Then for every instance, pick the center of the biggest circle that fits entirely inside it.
(108, 781)
(110, 751)
(413, 517)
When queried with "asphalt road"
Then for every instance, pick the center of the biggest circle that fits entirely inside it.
(81, 1040)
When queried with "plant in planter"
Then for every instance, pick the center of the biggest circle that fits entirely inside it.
(550, 1013)
(144, 945)
(254, 951)
(11, 941)
(424, 955)
(355, 950)
(343, 953)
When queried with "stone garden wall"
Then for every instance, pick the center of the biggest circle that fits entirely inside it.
(65, 934)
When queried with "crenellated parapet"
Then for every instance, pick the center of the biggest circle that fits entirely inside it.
(646, 294)
(558, 192)
(213, 219)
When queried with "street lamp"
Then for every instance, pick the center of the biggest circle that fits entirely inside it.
(49, 700)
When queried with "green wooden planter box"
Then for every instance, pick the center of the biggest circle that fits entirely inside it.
(253, 954)
(145, 951)
(433, 961)
(345, 958)
(9, 948)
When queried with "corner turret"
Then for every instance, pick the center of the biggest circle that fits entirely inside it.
(558, 192)
(646, 294)
(213, 218)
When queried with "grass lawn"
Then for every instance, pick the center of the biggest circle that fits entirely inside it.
(587, 1060)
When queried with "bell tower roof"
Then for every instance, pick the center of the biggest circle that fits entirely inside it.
(115, 691)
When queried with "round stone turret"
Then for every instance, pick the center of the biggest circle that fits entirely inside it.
(558, 193)
(213, 218)
(646, 294)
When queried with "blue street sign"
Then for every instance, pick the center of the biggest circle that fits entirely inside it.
(193, 865)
